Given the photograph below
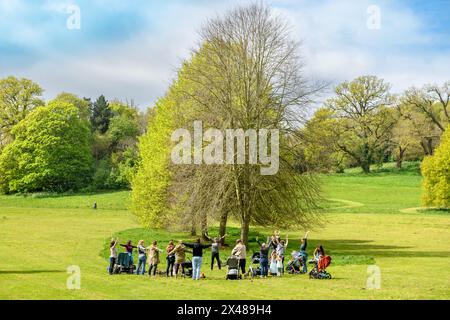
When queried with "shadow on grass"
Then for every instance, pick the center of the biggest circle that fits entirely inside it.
(343, 251)
(30, 271)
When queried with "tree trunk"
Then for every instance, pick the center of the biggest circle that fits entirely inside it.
(401, 155)
(223, 226)
(193, 226)
(365, 166)
(244, 232)
(204, 226)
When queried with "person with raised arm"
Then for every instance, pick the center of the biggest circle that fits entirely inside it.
(215, 250)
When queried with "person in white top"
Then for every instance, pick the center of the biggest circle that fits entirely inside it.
(112, 254)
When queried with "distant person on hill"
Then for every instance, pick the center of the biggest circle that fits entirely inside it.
(170, 259)
(215, 249)
(153, 258)
(112, 254)
(129, 248)
(197, 257)
(240, 250)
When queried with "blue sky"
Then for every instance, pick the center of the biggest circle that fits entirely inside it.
(131, 49)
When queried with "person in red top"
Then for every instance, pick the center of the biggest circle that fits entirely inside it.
(129, 248)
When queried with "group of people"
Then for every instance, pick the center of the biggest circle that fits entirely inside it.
(272, 255)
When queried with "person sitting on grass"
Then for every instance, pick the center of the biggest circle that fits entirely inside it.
(180, 257)
(215, 250)
(197, 257)
(240, 251)
(112, 254)
(129, 248)
(263, 258)
(153, 257)
(303, 253)
(170, 259)
(142, 254)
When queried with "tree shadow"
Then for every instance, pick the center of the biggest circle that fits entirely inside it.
(367, 248)
(30, 271)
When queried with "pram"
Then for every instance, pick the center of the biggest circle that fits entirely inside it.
(233, 268)
(124, 264)
(319, 272)
(188, 268)
(255, 271)
(295, 265)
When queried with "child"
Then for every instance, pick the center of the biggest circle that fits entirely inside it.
(273, 264)
(279, 266)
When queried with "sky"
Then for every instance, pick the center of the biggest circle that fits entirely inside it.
(130, 50)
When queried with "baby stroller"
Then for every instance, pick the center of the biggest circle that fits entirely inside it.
(188, 268)
(319, 272)
(124, 264)
(294, 265)
(255, 271)
(233, 268)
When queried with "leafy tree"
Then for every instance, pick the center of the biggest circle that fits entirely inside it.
(365, 121)
(51, 152)
(83, 105)
(436, 174)
(18, 97)
(433, 101)
(320, 141)
(101, 115)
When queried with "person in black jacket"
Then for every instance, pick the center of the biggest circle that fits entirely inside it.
(263, 258)
(197, 257)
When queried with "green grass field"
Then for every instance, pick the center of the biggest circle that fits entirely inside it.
(369, 219)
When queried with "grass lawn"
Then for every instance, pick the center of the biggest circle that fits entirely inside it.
(365, 225)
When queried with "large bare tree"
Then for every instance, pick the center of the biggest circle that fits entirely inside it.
(248, 75)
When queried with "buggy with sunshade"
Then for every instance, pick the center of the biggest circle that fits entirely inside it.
(233, 268)
(124, 264)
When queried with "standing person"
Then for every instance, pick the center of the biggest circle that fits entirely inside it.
(153, 257)
(215, 250)
(142, 257)
(170, 259)
(319, 252)
(273, 264)
(303, 253)
(272, 242)
(180, 257)
(112, 254)
(129, 248)
(197, 257)
(263, 258)
(280, 266)
(240, 251)
(281, 249)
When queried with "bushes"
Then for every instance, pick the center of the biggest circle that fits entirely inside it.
(436, 173)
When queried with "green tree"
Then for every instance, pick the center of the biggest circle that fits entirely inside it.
(101, 115)
(18, 97)
(365, 120)
(436, 175)
(83, 105)
(51, 152)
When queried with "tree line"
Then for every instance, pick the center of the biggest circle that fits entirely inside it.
(66, 144)
(365, 124)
